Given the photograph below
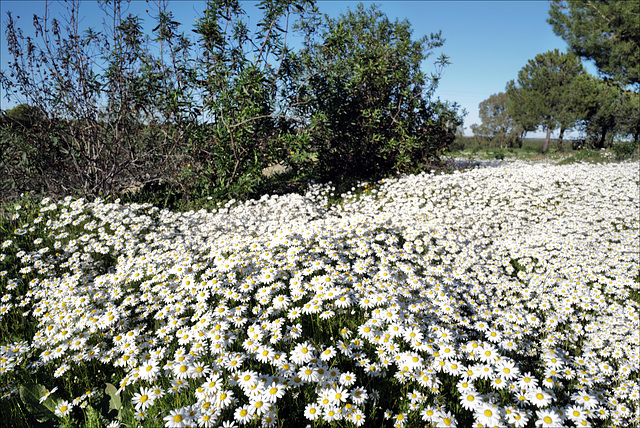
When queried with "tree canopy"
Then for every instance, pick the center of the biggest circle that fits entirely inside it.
(607, 32)
(23, 114)
(610, 112)
(497, 125)
(547, 93)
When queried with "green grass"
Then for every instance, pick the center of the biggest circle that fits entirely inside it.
(526, 154)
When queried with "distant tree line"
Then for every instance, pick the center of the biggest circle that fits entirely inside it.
(108, 109)
(553, 91)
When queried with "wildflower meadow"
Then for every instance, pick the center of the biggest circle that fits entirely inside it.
(501, 296)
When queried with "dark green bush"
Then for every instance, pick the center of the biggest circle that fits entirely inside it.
(535, 146)
(625, 149)
(370, 105)
(458, 144)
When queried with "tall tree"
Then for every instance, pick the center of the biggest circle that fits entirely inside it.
(496, 124)
(607, 32)
(628, 123)
(544, 95)
(607, 111)
(602, 101)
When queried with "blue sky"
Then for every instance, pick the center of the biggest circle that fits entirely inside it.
(488, 42)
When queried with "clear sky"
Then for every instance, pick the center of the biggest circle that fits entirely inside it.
(488, 42)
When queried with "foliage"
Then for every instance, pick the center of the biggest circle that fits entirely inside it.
(568, 152)
(628, 115)
(607, 32)
(599, 125)
(22, 115)
(247, 103)
(137, 120)
(458, 144)
(30, 395)
(497, 126)
(625, 149)
(124, 114)
(609, 113)
(106, 100)
(547, 93)
(369, 105)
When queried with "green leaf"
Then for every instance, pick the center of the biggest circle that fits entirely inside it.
(30, 395)
(115, 403)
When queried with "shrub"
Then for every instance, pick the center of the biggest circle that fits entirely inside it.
(95, 134)
(457, 145)
(370, 106)
(625, 149)
(188, 124)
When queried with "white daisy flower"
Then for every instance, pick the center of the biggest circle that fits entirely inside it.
(144, 399)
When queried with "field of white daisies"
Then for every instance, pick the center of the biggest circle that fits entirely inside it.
(501, 296)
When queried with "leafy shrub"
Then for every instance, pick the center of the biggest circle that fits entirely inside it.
(370, 106)
(95, 134)
(625, 149)
(578, 144)
(458, 144)
(535, 146)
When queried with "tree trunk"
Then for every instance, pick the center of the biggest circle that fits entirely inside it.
(546, 140)
(602, 140)
(560, 138)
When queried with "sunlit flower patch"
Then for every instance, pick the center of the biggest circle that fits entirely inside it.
(500, 296)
